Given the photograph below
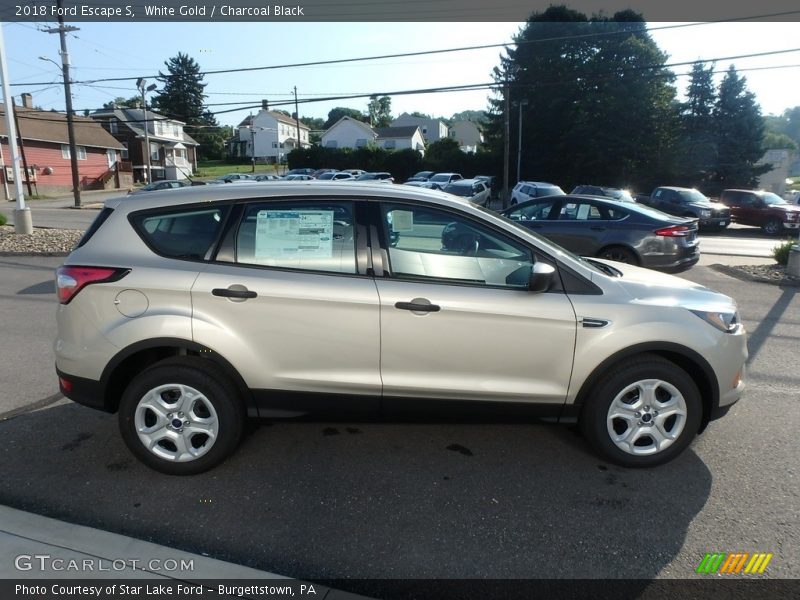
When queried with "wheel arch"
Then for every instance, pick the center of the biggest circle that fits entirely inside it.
(624, 246)
(132, 360)
(687, 359)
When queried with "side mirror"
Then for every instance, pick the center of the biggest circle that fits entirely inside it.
(541, 277)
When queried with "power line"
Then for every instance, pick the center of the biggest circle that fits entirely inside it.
(624, 31)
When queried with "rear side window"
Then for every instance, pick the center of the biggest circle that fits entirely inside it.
(98, 221)
(313, 236)
(188, 233)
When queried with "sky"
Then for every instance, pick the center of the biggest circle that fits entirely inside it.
(104, 50)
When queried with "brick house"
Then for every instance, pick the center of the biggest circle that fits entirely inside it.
(173, 153)
(45, 143)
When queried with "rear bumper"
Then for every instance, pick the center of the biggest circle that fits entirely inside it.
(83, 391)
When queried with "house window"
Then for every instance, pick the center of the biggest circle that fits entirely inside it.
(153, 151)
(176, 130)
(112, 126)
(390, 144)
(65, 154)
(424, 131)
(331, 144)
(124, 152)
(361, 142)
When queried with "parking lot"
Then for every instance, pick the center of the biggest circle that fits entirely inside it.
(319, 500)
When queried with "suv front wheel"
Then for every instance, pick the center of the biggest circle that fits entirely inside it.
(181, 416)
(643, 412)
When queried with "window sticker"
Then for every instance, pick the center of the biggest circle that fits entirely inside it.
(294, 234)
(402, 220)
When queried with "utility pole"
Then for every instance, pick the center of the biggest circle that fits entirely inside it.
(73, 152)
(523, 102)
(297, 118)
(22, 154)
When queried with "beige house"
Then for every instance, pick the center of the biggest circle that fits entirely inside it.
(775, 180)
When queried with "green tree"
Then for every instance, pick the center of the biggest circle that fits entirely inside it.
(697, 146)
(120, 102)
(778, 141)
(739, 131)
(340, 111)
(379, 110)
(181, 97)
(598, 102)
(476, 116)
(788, 123)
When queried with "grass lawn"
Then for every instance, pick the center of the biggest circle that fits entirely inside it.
(211, 169)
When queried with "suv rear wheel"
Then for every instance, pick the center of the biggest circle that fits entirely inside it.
(644, 412)
(181, 416)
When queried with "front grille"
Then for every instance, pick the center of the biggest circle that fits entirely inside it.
(719, 213)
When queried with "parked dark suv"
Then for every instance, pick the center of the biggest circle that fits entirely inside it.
(688, 202)
(762, 209)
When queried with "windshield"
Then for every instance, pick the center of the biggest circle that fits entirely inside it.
(770, 199)
(459, 190)
(693, 196)
(440, 178)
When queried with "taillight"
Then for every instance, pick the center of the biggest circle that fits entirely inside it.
(71, 280)
(675, 231)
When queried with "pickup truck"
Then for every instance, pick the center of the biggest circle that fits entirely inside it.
(762, 209)
(688, 202)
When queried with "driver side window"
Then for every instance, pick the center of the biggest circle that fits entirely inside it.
(433, 244)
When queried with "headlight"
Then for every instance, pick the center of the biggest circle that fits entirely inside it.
(724, 321)
(705, 213)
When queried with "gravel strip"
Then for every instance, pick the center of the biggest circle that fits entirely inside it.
(42, 242)
(774, 274)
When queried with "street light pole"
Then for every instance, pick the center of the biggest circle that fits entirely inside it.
(22, 214)
(143, 88)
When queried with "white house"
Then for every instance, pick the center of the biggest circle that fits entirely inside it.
(400, 138)
(270, 136)
(348, 133)
(431, 129)
(467, 134)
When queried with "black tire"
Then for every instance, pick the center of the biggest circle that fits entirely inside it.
(218, 403)
(619, 254)
(773, 227)
(596, 420)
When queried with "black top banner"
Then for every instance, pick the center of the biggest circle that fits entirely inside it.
(382, 10)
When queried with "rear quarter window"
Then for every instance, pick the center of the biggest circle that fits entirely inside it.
(188, 233)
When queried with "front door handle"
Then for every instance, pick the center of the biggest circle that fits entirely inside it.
(418, 305)
(232, 292)
(597, 228)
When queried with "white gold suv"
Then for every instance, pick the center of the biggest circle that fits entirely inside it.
(187, 311)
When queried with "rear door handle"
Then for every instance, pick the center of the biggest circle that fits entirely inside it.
(242, 294)
(418, 306)
(597, 228)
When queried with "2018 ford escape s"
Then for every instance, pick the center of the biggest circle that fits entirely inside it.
(189, 310)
